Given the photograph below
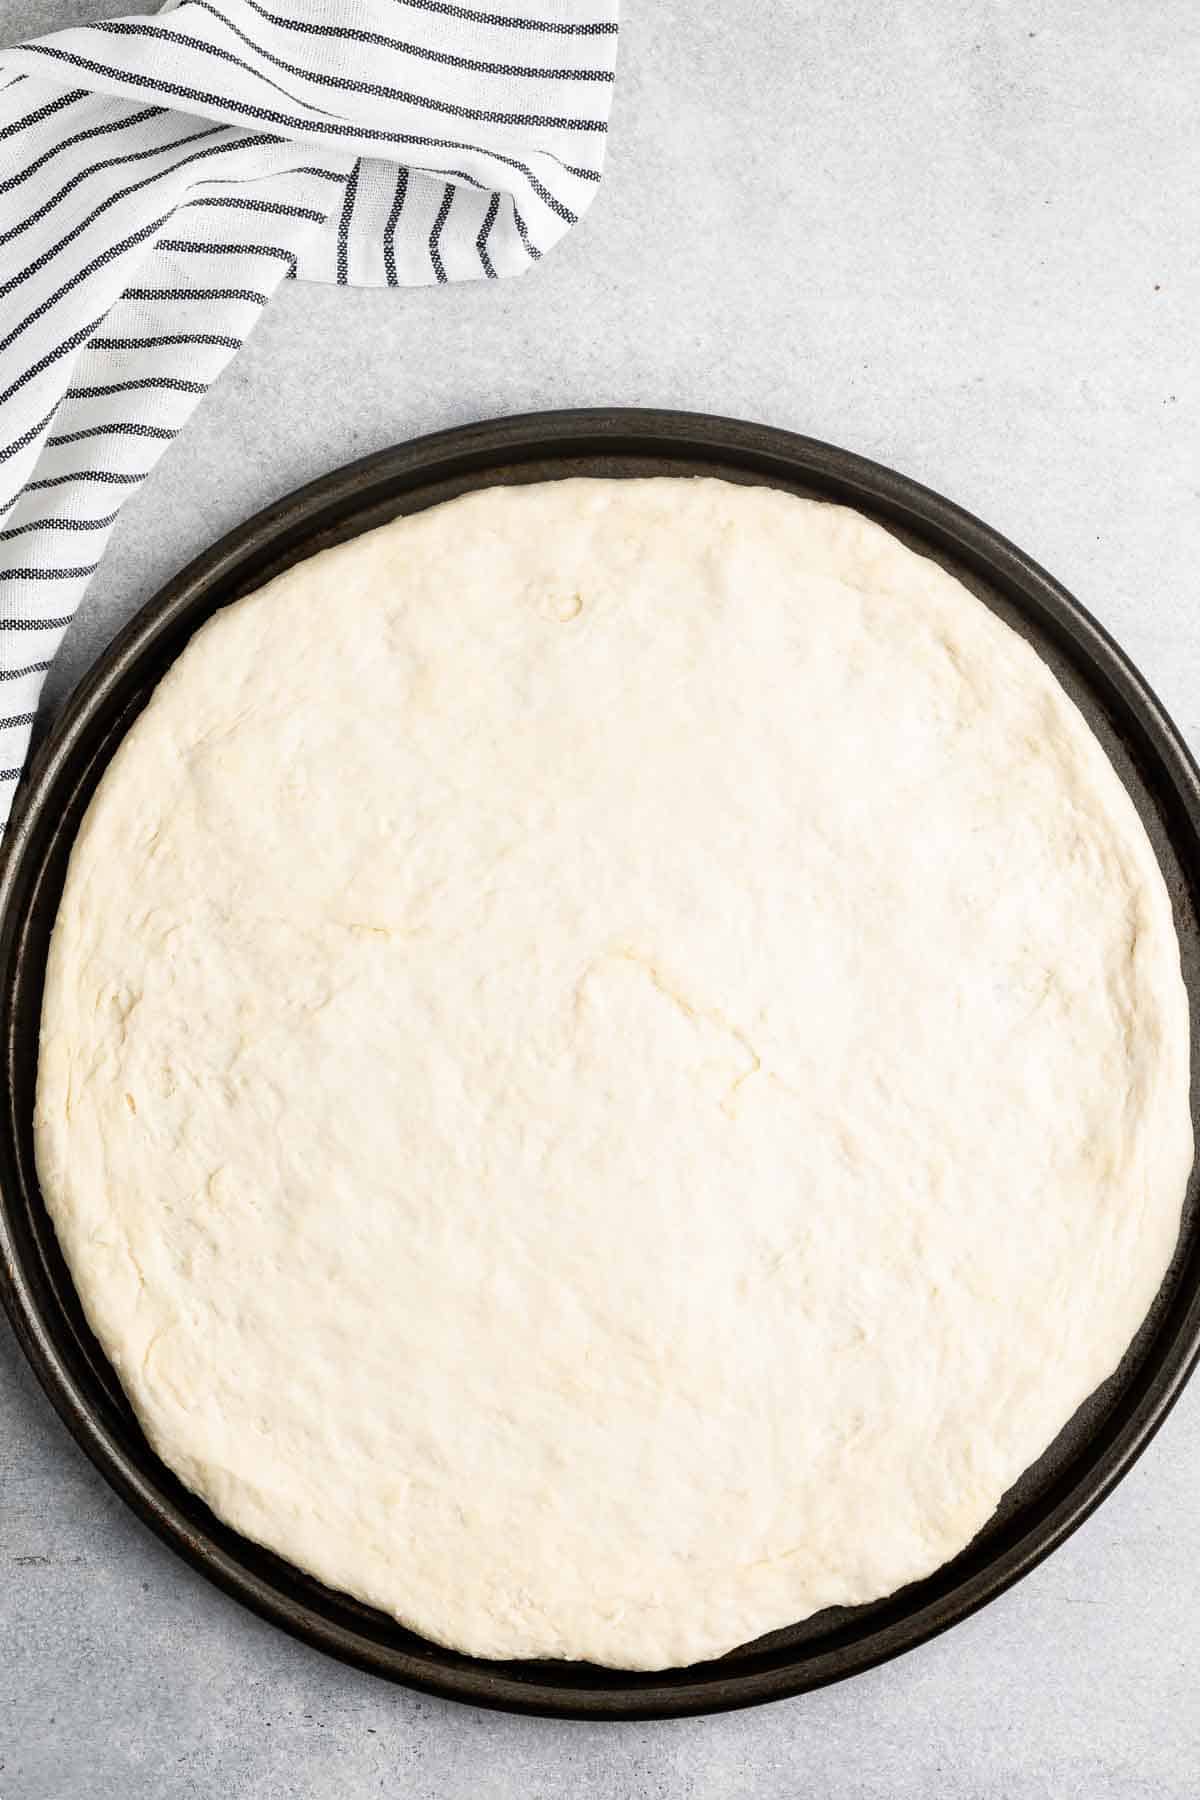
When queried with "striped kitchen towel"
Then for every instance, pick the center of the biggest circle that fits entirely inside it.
(160, 176)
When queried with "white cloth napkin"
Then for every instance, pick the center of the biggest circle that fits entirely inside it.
(160, 176)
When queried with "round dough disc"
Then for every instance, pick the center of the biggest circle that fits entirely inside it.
(614, 1067)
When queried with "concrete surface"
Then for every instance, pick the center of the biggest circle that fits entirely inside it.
(962, 238)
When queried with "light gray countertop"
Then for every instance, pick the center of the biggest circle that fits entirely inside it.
(963, 238)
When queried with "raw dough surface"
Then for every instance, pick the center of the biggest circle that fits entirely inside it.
(614, 1067)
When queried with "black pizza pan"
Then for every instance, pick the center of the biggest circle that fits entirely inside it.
(1089, 1456)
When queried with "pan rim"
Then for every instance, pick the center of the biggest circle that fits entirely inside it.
(465, 453)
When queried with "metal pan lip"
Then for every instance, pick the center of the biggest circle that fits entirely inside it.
(539, 446)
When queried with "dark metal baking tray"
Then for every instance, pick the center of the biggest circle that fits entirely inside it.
(1088, 1457)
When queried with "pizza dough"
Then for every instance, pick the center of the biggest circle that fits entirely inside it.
(614, 1067)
